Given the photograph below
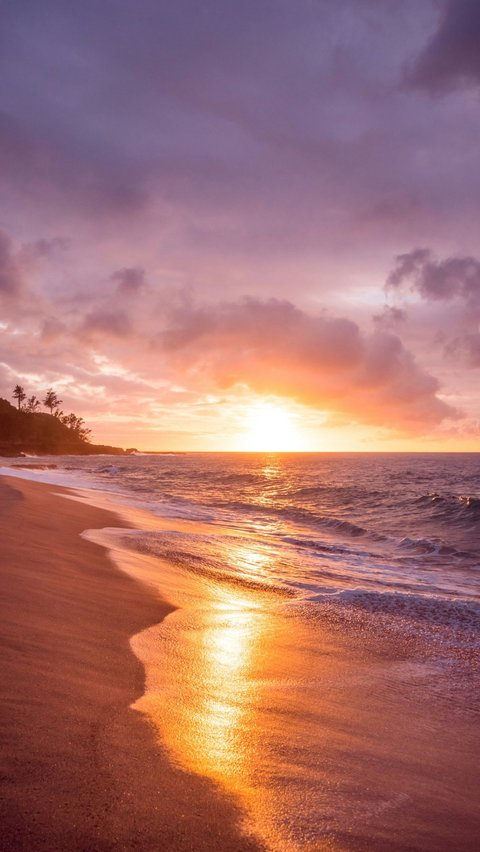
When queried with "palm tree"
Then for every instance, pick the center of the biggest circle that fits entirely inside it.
(19, 394)
(32, 404)
(70, 420)
(51, 400)
(78, 426)
(85, 434)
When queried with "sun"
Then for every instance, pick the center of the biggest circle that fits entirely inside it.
(271, 427)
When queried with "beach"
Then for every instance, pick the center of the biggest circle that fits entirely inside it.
(81, 770)
(162, 689)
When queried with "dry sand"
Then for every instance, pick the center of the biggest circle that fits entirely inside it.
(79, 769)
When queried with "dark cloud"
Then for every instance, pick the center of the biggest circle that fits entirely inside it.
(452, 56)
(11, 275)
(452, 278)
(218, 119)
(453, 282)
(40, 158)
(129, 280)
(47, 248)
(390, 317)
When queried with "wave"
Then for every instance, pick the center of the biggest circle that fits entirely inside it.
(296, 515)
(453, 507)
(108, 468)
(237, 478)
(425, 547)
(431, 610)
(188, 554)
(340, 493)
(34, 466)
(218, 562)
(316, 546)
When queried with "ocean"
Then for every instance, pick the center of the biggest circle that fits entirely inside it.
(361, 526)
(325, 633)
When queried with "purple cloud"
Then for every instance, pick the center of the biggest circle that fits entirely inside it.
(129, 280)
(113, 323)
(452, 56)
(267, 150)
(390, 317)
(467, 346)
(452, 278)
(453, 282)
(11, 276)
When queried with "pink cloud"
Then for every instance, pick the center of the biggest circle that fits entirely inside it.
(322, 361)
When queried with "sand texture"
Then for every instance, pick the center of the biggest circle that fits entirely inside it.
(80, 770)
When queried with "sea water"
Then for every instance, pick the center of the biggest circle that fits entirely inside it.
(369, 525)
(322, 660)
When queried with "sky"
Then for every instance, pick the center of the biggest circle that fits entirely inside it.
(251, 225)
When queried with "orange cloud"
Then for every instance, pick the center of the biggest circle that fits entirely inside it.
(273, 347)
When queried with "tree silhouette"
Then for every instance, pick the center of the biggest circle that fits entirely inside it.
(51, 400)
(81, 430)
(40, 425)
(70, 420)
(32, 404)
(19, 394)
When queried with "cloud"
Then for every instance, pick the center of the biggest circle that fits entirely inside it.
(11, 275)
(46, 248)
(390, 317)
(326, 362)
(52, 329)
(450, 288)
(437, 280)
(452, 56)
(114, 323)
(467, 347)
(229, 149)
(215, 120)
(129, 280)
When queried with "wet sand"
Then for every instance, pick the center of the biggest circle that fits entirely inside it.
(81, 770)
(314, 734)
(334, 732)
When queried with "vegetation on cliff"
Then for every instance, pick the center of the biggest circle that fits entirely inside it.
(24, 429)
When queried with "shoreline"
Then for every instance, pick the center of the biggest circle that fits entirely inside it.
(182, 741)
(80, 768)
(315, 725)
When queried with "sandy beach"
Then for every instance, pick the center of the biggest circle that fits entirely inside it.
(239, 722)
(80, 770)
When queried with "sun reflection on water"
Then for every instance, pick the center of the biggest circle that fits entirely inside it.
(253, 562)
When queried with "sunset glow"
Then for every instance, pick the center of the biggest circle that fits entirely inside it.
(240, 424)
(271, 428)
(244, 221)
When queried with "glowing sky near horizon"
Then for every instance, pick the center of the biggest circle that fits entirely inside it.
(244, 225)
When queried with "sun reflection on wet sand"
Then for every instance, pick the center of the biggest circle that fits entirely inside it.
(205, 668)
(317, 737)
(214, 687)
(206, 729)
(229, 642)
